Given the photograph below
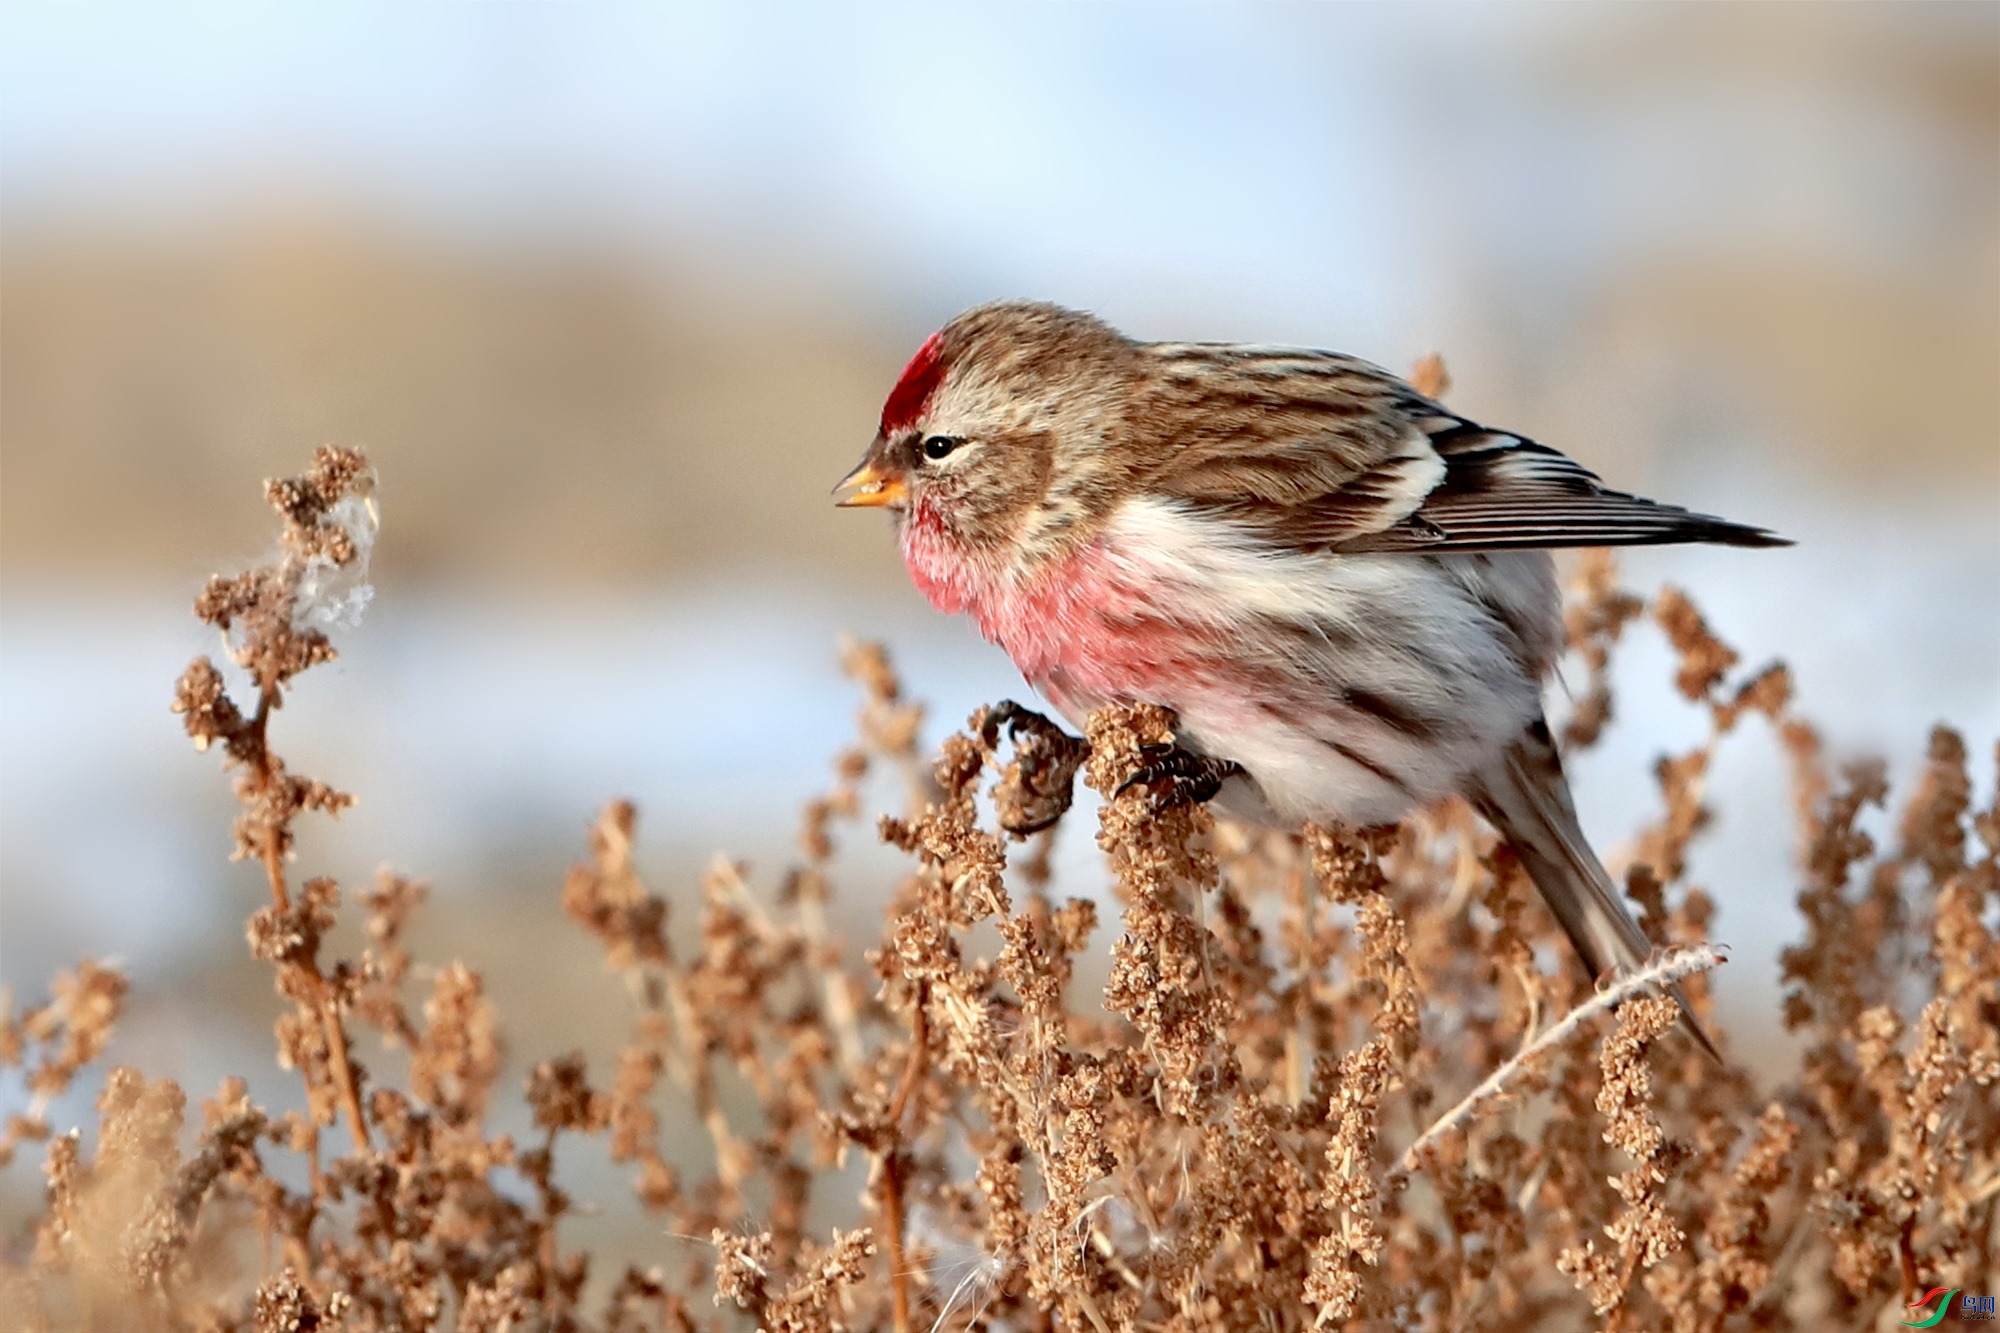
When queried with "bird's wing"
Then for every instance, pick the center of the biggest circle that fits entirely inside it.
(1279, 429)
(1503, 492)
(1326, 452)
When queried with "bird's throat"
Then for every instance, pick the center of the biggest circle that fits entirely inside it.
(955, 579)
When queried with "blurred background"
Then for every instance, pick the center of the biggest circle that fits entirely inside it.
(611, 295)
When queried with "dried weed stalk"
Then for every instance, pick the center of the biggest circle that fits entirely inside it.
(1341, 1078)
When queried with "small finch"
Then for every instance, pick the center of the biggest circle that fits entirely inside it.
(1341, 587)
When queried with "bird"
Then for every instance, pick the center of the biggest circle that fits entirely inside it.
(1340, 587)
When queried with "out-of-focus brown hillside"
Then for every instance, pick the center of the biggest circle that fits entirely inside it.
(570, 415)
(560, 415)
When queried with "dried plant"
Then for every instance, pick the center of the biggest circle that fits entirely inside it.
(1338, 1078)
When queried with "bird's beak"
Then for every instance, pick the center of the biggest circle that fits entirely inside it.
(868, 487)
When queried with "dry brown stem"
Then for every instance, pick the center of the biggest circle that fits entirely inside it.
(1672, 966)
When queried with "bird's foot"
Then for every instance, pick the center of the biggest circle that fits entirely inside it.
(1179, 777)
(1040, 785)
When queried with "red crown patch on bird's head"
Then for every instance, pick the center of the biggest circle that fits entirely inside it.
(913, 391)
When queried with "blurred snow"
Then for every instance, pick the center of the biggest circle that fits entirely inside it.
(482, 733)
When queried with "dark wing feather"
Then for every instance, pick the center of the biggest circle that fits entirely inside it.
(1502, 492)
(1323, 451)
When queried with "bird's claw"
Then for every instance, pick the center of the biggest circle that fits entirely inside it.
(1179, 777)
(1018, 720)
(1039, 786)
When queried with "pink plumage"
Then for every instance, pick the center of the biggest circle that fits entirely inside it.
(1085, 619)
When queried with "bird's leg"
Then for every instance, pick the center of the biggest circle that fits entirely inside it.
(1178, 776)
(1040, 785)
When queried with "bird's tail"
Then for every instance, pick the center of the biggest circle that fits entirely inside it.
(1526, 798)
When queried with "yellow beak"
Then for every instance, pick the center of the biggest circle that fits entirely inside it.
(866, 488)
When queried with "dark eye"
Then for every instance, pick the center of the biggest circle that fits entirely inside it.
(938, 446)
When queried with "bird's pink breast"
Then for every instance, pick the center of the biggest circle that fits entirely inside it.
(1091, 616)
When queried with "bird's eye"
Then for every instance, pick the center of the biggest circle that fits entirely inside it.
(937, 446)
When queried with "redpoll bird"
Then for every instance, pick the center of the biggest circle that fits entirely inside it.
(1340, 587)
